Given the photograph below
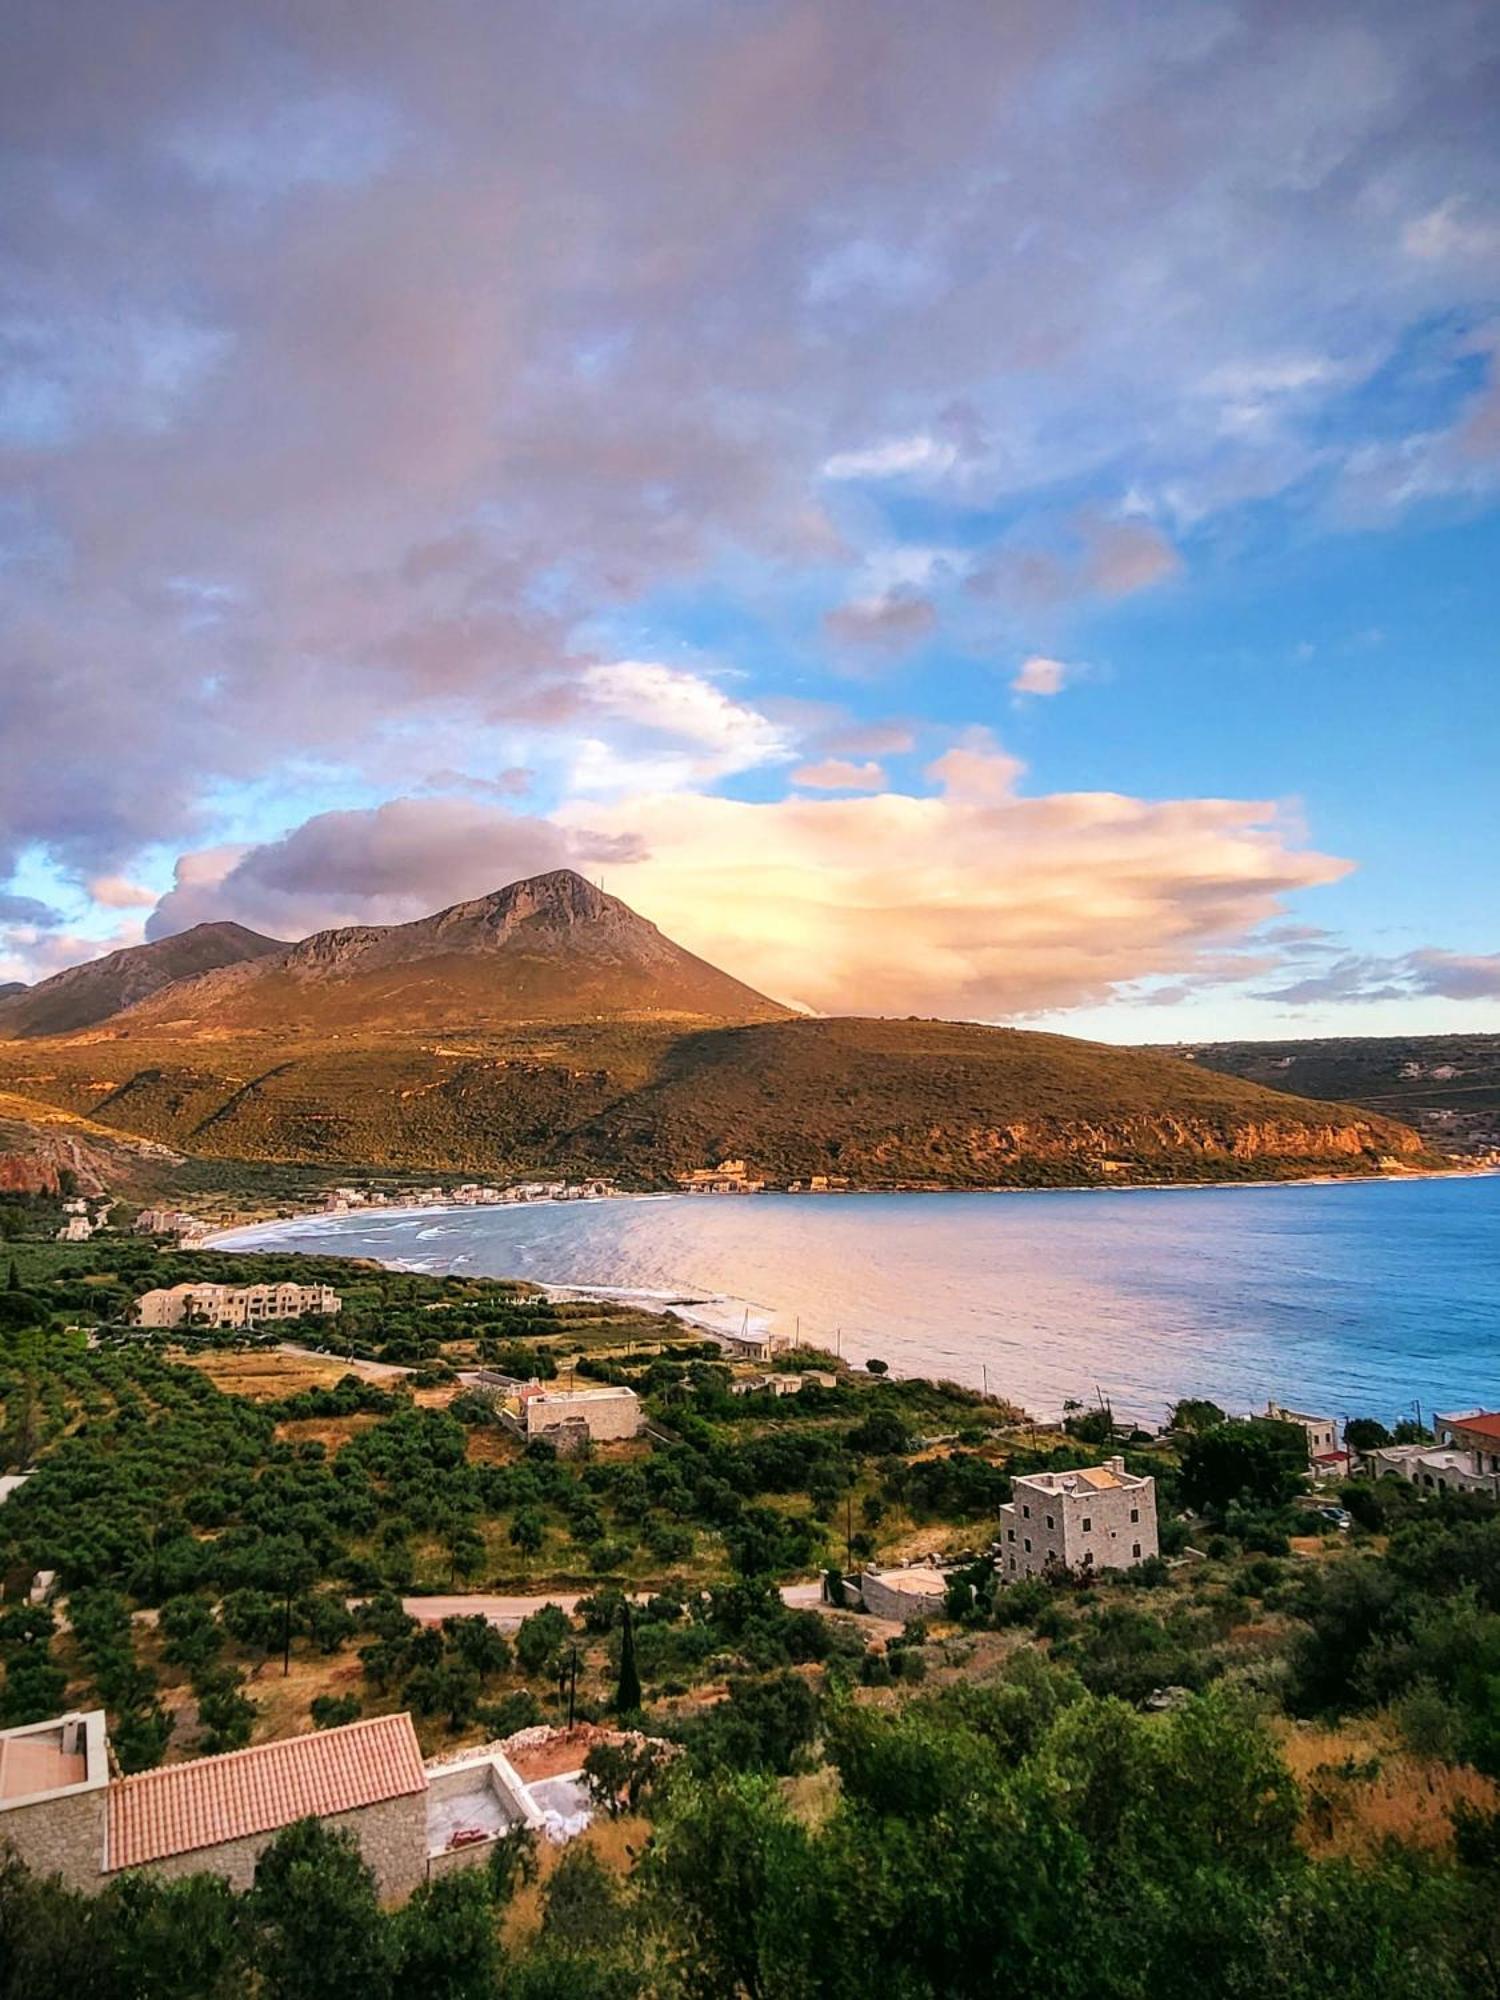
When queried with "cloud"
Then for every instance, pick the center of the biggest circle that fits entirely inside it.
(114, 892)
(1003, 905)
(869, 739)
(1456, 975)
(975, 901)
(895, 459)
(1361, 978)
(837, 774)
(365, 367)
(890, 622)
(28, 910)
(1040, 676)
(1452, 232)
(1123, 557)
(382, 865)
(721, 735)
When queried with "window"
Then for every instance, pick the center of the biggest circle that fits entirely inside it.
(1012, 1562)
(1026, 1511)
(1135, 1514)
(1010, 1534)
(1027, 1545)
(1088, 1524)
(1049, 1520)
(1135, 1548)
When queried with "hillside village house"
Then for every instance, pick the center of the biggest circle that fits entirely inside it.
(1464, 1459)
(65, 1810)
(1326, 1458)
(1102, 1517)
(233, 1305)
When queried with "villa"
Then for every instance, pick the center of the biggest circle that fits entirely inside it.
(233, 1305)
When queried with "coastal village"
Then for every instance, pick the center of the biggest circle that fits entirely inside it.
(1085, 1522)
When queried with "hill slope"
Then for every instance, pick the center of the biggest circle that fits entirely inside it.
(1448, 1086)
(548, 1029)
(551, 948)
(883, 1103)
(85, 995)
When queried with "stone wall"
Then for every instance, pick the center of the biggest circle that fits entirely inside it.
(883, 1600)
(392, 1837)
(63, 1835)
(607, 1417)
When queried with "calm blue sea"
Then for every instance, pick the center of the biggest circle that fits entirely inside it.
(1358, 1298)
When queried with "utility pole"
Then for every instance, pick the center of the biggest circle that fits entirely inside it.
(848, 1531)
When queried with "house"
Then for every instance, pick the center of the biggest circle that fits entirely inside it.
(1476, 1432)
(729, 1177)
(167, 1222)
(77, 1229)
(1434, 1467)
(1322, 1432)
(568, 1417)
(233, 1305)
(1464, 1459)
(1101, 1517)
(66, 1812)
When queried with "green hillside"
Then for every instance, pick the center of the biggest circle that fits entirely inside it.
(882, 1103)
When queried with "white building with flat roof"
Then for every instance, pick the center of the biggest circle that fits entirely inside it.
(1100, 1517)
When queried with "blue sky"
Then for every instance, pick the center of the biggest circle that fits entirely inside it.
(972, 515)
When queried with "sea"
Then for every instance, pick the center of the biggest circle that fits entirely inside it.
(1346, 1298)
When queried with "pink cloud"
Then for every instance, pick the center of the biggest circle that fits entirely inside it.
(837, 774)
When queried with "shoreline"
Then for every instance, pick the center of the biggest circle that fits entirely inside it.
(218, 1238)
(714, 1313)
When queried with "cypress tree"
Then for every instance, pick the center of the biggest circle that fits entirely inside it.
(628, 1688)
(13, 1282)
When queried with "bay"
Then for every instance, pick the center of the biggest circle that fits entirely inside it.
(1345, 1298)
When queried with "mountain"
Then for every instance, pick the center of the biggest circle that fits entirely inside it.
(10, 987)
(548, 1029)
(1448, 1086)
(85, 995)
(550, 948)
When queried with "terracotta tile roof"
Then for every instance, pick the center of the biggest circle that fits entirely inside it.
(1483, 1423)
(215, 1799)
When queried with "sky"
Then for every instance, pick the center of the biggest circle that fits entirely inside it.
(984, 511)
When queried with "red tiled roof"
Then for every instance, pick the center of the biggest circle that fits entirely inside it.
(215, 1799)
(1483, 1423)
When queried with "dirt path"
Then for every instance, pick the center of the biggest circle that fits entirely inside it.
(371, 1371)
(509, 1613)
